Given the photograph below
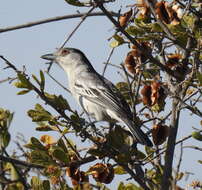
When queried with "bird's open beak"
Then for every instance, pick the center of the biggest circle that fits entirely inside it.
(50, 57)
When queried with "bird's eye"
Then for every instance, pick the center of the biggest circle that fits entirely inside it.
(64, 52)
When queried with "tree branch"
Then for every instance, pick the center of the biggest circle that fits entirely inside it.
(167, 171)
(133, 41)
(52, 19)
(20, 162)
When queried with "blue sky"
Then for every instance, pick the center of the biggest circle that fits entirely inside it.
(25, 46)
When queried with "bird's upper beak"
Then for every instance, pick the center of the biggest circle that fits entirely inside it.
(50, 57)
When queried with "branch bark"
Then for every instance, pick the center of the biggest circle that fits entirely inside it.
(52, 19)
(133, 41)
(167, 171)
(20, 162)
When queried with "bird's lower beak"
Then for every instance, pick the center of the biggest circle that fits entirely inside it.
(50, 57)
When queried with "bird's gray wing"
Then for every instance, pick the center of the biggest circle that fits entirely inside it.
(99, 90)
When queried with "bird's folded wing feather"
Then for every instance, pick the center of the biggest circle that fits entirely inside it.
(99, 90)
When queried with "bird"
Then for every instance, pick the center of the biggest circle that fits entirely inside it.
(98, 97)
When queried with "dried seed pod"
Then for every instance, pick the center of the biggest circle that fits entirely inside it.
(173, 59)
(130, 63)
(155, 86)
(154, 95)
(54, 180)
(146, 93)
(103, 173)
(196, 184)
(52, 169)
(77, 176)
(158, 93)
(146, 46)
(166, 13)
(159, 133)
(144, 10)
(161, 12)
(123, 20)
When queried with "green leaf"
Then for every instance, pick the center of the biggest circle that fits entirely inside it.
(41, 157)
(23, 92)
(140, 155)
(200, 161)
(149, 151)
(6, 138)
(35, 144)
(42, 85)
(62, 145)
(119, 170)
(19, 85)
(125, 91)
(46, 185)
(5, 119)
(46, 128)
(199, 77)
(197, 135)
(36, 183)
(128, 186)
(121, 186)
(58, 101)
(114, 44)
(131, 186)
(96, 152)
(36, 79)
(155, 27)
(23, 79)
(134, 30)
(14, 173)
(118, 40)
(60, 155)
(39, 114)
(75, 3)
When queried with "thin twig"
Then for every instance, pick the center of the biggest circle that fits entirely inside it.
(8, 79)
(83, 18)
(163, 149)
(107, 62)
(22, 178)
(193, 147)
(57, 82)
(10, 65)
(179, 163)
(20, 162)
(52, 19)
(69, 144)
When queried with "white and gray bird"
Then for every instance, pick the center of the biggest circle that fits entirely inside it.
(98, 97)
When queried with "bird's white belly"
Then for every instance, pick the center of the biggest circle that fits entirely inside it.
(96, 111)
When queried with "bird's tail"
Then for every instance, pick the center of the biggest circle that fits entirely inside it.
(138, 134)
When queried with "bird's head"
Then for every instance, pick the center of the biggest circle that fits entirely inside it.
(67, 57)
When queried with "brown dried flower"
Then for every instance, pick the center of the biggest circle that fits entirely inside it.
(159, 133)
(146, 93)
(167, 13)
(103, 173)
(123, 19)
(173, 59)
(77, 176)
